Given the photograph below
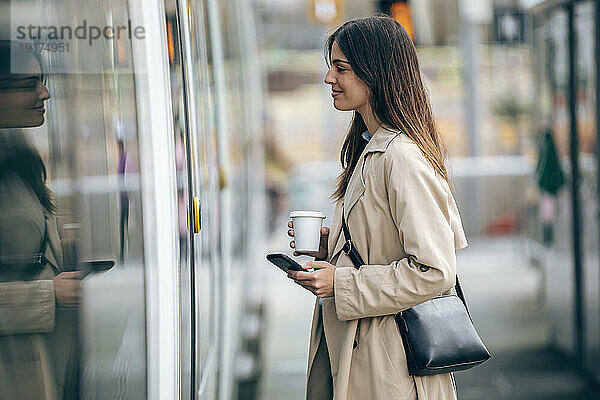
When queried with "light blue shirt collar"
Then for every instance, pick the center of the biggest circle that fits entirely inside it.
(366, 135)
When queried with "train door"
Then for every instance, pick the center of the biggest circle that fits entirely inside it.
(198, 196)
(203, 150)
(225, 40)
(183, 165)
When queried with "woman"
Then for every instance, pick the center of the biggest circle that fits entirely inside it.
(396, 200)
(37, 299)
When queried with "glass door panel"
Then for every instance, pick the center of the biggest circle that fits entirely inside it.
(89, 146)
(183, 165)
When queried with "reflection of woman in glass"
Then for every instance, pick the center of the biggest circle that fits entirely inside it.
(397, 204)
(37, 300)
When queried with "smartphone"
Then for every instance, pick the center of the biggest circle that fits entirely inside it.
(89, 267)
(284, 262)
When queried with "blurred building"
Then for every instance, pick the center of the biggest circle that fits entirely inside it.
(565, 36)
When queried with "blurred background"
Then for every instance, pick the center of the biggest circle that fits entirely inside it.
(513, 88)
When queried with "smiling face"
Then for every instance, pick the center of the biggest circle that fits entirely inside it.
(349, 92)
(22, 98)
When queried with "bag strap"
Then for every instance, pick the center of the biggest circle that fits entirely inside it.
(461, 295)
(354, 256)
(348, 248)
(41, 256)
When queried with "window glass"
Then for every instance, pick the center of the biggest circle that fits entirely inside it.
(92, 345)
(204, 151)
(181, 129)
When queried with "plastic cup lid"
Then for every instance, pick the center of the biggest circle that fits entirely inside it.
(314, 214)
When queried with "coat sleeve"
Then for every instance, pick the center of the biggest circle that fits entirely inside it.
(27, 307)
(421, 208)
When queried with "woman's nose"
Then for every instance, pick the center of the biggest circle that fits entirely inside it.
(329, 79)
(43, 93)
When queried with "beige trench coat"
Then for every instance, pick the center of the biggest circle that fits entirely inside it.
(401, 217)
(37, 339)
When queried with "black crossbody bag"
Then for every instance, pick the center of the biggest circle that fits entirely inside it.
(438, 335)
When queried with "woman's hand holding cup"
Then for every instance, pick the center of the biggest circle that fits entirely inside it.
(319, 255)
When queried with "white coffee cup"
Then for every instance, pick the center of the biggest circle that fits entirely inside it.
(307, 230)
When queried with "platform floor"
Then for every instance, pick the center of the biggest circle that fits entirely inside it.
(503, 293)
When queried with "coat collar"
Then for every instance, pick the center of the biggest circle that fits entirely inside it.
(379, 142)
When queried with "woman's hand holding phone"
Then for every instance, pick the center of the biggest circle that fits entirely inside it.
(67, 288)
(320, 281)
(320, 255)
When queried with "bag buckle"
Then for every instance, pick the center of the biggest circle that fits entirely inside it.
(347, 247)
(38, 259)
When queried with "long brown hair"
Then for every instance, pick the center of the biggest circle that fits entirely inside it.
(383, 56)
